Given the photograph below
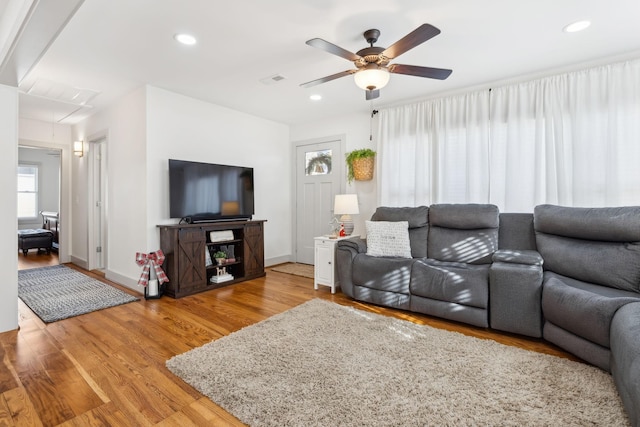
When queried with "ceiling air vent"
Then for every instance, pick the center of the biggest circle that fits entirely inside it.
(272, 79)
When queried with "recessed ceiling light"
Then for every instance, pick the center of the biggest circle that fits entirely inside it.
(576, 26)
(187, 39)
(315, 97)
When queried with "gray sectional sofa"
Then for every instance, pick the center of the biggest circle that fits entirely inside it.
(568, 275)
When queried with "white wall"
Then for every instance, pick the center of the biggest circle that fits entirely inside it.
(144, 130)
(8, 220)
(126, 211)
(184, 128)
(356, 128)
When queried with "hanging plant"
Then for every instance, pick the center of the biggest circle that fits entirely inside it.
(319, 164)
(360, 164)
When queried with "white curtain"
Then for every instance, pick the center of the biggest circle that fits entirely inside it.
(572, 139)
(435, 152)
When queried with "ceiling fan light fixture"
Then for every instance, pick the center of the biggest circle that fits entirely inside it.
(373, 78)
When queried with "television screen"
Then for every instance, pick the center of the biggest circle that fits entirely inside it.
(205, 191)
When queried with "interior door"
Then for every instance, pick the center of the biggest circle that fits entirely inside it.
(97, 206)
(319, 177)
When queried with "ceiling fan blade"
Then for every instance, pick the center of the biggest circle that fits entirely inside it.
(327, 78)
(372, 94)
(420, 35)
(332, 48)
(414, 70)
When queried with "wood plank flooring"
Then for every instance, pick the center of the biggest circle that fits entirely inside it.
(108, 367)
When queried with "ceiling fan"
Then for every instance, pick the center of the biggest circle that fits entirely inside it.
(372, 63)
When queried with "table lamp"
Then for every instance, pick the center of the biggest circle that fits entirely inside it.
(346, 205)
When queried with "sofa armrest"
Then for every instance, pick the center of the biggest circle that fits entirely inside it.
(346, 251)
(357, 244)
(515, 292)
(625, 358)
(510, 256)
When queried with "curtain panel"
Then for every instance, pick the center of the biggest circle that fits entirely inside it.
(572, 139)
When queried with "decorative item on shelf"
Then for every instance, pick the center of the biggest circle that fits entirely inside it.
(229, 251)
(346, 205)
(208, 262)
(221, 275)
(334, 226)
(152, 276)
(342, 232)
(220, 257)
(360, 164)
(220, 236)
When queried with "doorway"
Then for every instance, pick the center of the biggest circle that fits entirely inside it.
(319, 173)
(39, 192)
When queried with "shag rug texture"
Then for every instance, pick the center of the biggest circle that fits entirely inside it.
(323, 364)
(304, 270)
(58, 292)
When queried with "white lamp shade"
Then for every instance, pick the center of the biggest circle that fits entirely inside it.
(346, 204)
(372, 78)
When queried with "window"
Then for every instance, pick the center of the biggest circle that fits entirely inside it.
(27, 191)
(318, 162)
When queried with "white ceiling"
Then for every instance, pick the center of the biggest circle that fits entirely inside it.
(114, 46)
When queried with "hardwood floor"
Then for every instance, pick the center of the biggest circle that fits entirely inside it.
(108, 367)
(34, 260)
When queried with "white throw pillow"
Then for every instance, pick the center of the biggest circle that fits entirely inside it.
(388, 238)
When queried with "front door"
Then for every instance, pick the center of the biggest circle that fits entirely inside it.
(319, 177)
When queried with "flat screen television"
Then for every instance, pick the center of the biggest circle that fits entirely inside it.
(209, 192)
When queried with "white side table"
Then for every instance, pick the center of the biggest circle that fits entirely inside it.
(325, 262)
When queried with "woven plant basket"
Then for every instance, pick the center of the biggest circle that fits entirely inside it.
(363, 168)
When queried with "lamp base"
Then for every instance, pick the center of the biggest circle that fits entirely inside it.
(347, 222)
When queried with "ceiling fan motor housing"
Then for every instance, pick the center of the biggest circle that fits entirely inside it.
(370, 55)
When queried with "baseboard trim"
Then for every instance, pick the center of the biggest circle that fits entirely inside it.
(82, 263)
(123, 280)
(277, 260)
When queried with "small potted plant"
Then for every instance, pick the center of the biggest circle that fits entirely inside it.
(220, 257)
(360, 164)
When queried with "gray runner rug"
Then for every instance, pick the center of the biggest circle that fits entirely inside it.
(323, 364)
(58, 292)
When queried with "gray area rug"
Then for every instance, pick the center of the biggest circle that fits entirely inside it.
(58, 292)
(322, 364)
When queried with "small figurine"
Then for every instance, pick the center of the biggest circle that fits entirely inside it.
(334, 225)
(342, 232)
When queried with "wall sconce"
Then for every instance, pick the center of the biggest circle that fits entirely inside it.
(78, 148)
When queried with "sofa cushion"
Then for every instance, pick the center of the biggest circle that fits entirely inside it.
(583, 309)
(387, 274)
(571, 239)
(620, 224)
(451, 282)
(516, 231)
(388, 239)
(418, 220)
(618, 264)
(463, 233)
(37, 232)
